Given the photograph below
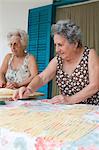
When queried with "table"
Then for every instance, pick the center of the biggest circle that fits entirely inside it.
(35, 125)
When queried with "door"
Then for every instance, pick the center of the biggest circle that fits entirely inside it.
(39, 28)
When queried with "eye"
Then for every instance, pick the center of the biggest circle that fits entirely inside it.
(14, 44)
(10, 44)
(55, 45)
(59, 44)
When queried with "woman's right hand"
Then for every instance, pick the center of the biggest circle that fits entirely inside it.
(13, 85)
(2, 83)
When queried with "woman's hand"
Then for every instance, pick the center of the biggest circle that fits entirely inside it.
(60, 99)
(22, 92)
(13, 85)
(2, 84)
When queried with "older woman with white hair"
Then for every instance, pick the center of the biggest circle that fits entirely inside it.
(75, 67)
(18, 67)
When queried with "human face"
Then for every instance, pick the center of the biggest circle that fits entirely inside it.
(16, 46)
(63, 47)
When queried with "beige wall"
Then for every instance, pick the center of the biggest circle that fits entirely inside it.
(13, 15)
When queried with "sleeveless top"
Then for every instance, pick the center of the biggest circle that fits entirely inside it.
(71, 84)
(20, 74)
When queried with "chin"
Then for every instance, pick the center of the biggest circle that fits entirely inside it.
(63, 57)
(14, 53)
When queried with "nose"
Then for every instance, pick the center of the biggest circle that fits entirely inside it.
(12, 46)
(57, 49)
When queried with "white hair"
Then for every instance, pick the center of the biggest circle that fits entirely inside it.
(21, 34)
(69, 30)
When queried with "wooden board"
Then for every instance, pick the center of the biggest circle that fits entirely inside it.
(6, 94)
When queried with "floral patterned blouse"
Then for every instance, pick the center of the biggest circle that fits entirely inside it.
(71, 84)
(20, 74)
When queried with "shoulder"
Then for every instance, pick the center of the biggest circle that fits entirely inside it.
(93, 51)
(54, 60)
(6, 59)
(31, 60)
(53, 63)
(93, 54)
(8, 56)
(93, 57)
(31, 57)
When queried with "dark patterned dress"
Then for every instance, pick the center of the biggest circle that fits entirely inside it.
(71, 84)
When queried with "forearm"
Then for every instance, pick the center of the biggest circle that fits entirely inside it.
(25, 82)
(85, 93)
(44, 77)
(2, 77)
(36, 83)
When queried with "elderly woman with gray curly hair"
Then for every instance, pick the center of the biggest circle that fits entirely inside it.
(75, 67)
(18, 67)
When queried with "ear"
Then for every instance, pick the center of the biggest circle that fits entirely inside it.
(76, 45)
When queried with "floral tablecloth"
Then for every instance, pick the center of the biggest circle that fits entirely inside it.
(36, 125)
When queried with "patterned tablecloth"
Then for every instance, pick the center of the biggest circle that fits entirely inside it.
(35, 125)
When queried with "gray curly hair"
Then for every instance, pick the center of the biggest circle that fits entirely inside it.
(19, 33)
(69, 30)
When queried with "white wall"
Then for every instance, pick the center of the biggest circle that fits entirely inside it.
(13, 15)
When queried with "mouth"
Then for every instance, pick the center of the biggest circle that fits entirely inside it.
(61, 54)
(13, 51)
